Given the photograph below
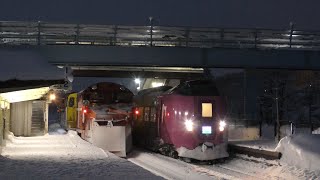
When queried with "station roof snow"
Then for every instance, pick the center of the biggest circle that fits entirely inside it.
(18, 90)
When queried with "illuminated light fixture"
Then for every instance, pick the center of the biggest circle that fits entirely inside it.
(137, 81)
(222, 125)
(52, 97)
(179, 112)
(175, 112)
(189, 125)
(156, 84)
(84, 111)
(168, 114)
(136, 112)
(186, 113)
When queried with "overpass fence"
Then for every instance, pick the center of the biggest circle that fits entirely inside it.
(45, 33)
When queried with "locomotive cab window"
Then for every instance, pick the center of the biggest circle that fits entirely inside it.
(71, 102)
(206, 109)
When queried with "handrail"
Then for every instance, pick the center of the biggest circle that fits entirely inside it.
(43, 33)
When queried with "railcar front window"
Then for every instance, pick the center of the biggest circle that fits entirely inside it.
(206, 109)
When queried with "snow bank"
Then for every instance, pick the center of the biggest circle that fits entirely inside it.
(301, 150)
(317, 131)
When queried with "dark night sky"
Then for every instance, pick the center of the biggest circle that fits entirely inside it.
(225, 13)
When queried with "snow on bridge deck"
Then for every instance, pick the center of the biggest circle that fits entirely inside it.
(63, 157)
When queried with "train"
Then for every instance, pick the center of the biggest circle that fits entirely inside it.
(186, 121)
(101, 114)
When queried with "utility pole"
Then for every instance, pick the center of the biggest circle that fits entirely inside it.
(310, 103)
(151, 30)
(278, 121)
(244, 95)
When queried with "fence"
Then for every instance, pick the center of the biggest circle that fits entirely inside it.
(42, 33)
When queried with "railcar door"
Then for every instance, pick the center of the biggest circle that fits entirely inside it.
(153, 128)
(72, 113)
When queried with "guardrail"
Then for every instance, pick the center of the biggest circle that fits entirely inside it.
(42, 33)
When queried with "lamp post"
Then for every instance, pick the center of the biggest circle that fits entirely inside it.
(138, 81)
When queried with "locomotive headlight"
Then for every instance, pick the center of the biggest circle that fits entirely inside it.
(222, 125)
(189, 125)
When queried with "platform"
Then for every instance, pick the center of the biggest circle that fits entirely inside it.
(256, 148)
(64, 157)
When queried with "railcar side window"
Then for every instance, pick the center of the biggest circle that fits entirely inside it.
(139, 118)
(71, 102)
(153, 114)
(146, 113)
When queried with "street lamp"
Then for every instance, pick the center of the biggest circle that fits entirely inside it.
(137, 81)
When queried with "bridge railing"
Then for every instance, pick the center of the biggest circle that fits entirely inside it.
(42, 33)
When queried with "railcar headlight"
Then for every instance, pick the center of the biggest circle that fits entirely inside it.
(222, 125)
(189, 125)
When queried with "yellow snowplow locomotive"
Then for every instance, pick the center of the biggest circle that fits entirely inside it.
(101, 115)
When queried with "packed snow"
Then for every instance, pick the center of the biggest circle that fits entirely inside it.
(64, 156)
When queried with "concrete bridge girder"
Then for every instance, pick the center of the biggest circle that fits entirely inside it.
(83, 55)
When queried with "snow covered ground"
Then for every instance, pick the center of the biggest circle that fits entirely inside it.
(66, 156)
(63, 157)
(239, 167)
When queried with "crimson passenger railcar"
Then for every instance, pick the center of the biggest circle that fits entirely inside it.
(185, 121)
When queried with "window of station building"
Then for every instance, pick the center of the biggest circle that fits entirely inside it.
(146, 113)
(153, 114)
(206, 109)
(71, 102)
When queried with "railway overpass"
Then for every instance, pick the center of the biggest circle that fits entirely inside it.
(157, 51)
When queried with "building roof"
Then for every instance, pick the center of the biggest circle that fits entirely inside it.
(17, 85)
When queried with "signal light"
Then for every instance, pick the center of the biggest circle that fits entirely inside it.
(84, 111)
(136, 112)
